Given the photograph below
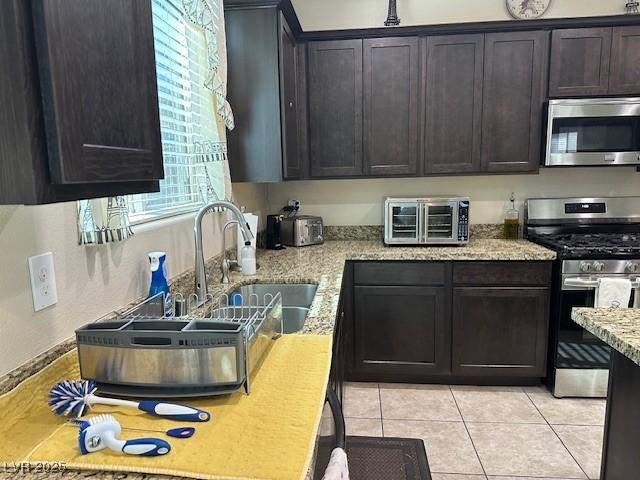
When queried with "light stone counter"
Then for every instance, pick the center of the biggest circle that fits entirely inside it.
(617, 327)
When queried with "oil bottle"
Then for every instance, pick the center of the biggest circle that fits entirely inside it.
(512, 221)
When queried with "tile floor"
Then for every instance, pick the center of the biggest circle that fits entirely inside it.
(484, 433)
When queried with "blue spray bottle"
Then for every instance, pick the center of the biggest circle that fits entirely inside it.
(159, 280)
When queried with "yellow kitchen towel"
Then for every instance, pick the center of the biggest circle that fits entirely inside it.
(269, 434)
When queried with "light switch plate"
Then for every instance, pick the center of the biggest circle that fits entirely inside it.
(43, 281)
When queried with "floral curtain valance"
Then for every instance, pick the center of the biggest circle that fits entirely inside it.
(197, 28)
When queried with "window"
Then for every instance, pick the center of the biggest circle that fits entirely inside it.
(187, 118)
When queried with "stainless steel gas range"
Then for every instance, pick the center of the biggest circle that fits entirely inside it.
(594, 238)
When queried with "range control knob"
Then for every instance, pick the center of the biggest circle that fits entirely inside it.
(586, 267)
(598, 266)
(632, 267)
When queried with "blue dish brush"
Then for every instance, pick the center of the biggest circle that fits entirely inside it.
(102, 431)
(75, 398)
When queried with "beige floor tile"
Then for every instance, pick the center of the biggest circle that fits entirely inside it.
(495, 404)
(449, 448)
(327, 427)
(455, 476)
(364, 427)
(522, 450)
(492, 477)
(418, 402)
(567, 411)
(585, 444)
(361, 400)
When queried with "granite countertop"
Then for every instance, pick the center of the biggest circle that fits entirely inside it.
(324, 264)
(618, 327)
(319, 264)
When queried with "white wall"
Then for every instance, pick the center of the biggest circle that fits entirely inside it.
(92, 281)
(359, 202)
(344, 14)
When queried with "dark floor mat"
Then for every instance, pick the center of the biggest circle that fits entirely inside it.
(372, 458)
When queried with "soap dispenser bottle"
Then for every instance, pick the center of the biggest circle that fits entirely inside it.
(512, 221)
(160, 280)
(248, 259)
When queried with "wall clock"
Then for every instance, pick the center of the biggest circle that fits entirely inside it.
(527, 9)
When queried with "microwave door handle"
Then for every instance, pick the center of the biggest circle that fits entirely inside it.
(584, 283)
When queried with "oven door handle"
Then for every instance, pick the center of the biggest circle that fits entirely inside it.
(590, 283)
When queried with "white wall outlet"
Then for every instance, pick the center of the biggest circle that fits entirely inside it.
(43, 281)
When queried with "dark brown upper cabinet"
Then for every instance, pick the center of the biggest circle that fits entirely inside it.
(80, 108)
(580, 62)
(624, 75)
(290, 103)
(335, 108)
(595, 61)
(391, 89)
(453, 79)
(267, 93)
(515, 75)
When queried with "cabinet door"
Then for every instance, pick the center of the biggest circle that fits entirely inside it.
(98, 80)
(515, 72)
(401, 330)
(580, 62)
(624, 77)
(289, 102)
(391, 76)
(453, 97)
(500, 331)
(335, 102)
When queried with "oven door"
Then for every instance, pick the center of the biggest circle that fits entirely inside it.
(593, 132)
(581, 358)
(404, 222)
(441, 222)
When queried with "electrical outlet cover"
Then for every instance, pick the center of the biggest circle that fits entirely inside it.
(43, 281)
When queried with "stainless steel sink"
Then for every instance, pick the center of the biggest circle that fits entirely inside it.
(293, 319)
(293, 294)
(296, 300)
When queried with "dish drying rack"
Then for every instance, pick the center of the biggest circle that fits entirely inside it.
(214, 350)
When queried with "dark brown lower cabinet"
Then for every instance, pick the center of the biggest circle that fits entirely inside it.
(446, 322)
(500, 331)
(402, 330)
(620, 459)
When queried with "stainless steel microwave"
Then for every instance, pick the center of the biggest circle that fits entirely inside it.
(593, 132)
(426, 220)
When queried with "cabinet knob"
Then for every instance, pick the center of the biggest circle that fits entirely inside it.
(290, 104)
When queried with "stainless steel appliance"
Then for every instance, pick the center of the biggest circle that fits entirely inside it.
(594, 238)
(426, 220)
(142, 354)
(597, 131)
(302, 230)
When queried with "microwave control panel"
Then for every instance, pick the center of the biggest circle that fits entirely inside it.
(463, 221)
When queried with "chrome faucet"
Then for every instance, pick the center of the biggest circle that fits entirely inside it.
(201, 275)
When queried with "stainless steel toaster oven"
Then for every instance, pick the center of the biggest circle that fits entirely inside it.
(426, 220)
(302, 230)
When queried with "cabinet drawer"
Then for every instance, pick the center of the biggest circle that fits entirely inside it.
(400, 273)
(502, 273)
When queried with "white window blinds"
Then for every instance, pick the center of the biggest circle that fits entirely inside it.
(187, 118)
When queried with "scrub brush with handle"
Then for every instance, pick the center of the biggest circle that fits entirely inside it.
(102, 431)
(76, 397)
